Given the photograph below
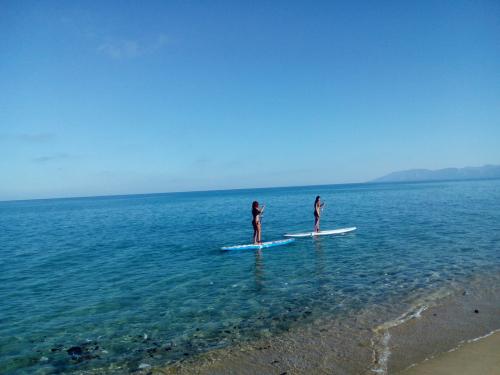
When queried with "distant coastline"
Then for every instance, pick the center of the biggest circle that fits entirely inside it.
(446, 174)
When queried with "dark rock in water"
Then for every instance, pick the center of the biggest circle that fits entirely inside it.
(83, 352)
(434, 314)
(75, 351)
(464, 293)
(227, 331)
(283, 373)
(168, 348)
(186, 354)
(476, 311)
(151, 350)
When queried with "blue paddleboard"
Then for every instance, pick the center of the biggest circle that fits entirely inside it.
(263, 245)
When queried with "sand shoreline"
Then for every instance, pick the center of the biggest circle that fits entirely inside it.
(359, 346)
(480, 356)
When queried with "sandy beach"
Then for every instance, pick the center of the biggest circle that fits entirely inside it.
(481, 356)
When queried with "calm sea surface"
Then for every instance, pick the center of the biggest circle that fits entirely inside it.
(119, 282)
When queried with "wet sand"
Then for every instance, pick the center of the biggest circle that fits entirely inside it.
(311, 350)
(477, 357)
(466, 315)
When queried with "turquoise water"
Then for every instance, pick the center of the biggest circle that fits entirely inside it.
(140, 279)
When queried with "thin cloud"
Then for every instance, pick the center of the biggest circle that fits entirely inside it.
(28, 137)
(131, 48)
(120, 49)
(35, 137)
(53, 157)
(202, 161)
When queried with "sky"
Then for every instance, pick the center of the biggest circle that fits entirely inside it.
(125, 97)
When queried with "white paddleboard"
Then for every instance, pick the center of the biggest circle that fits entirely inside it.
(322, 233)
(263, 245)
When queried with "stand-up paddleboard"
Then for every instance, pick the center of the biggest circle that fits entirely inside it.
(263, 245)
(322, 233)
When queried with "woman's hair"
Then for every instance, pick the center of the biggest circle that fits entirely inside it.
(317, 199)
(255, 204)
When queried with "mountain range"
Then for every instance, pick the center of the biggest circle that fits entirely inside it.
(467, 173)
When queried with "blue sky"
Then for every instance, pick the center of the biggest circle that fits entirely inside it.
(137, 97)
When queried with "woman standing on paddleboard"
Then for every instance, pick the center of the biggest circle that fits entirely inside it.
(318, 205)
(257, 228)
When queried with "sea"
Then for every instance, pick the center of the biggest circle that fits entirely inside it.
(120, 284)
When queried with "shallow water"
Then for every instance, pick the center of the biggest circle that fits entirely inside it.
(140, 279)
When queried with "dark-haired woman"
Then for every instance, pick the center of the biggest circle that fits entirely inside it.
(257, 229)
(318, 205)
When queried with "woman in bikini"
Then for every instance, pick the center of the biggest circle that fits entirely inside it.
(318, 205)
(257, 228)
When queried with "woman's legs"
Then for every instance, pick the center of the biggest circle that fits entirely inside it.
(316, 223)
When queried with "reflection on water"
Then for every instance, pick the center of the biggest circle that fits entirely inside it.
(319, 260)
(259, 271)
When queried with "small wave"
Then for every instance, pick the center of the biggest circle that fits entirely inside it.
(484, 336)
(381, 353)
(380, 342)
(403, 318)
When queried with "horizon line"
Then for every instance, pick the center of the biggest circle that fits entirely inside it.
(371, 182)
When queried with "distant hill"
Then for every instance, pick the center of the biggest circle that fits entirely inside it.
(467, 173)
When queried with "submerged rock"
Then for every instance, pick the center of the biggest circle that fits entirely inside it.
(83, 351)
(75, 351)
